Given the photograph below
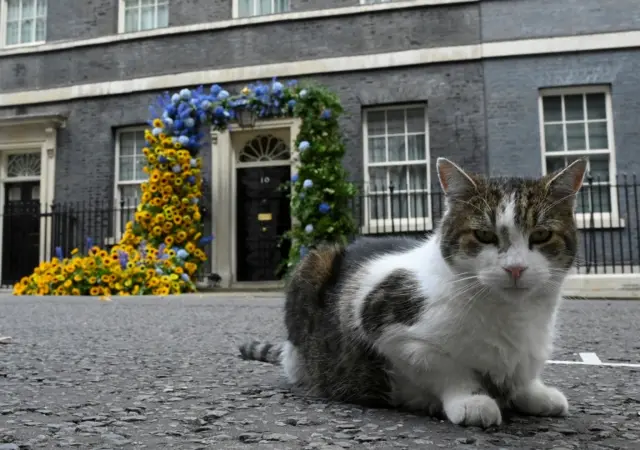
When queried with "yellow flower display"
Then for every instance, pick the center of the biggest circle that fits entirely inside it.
(162, 247)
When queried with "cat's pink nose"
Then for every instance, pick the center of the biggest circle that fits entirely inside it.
(515, 271)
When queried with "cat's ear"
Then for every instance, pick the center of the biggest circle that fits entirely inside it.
(453, 179)
(568, 181)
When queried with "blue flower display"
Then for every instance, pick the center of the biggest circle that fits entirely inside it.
(304, 145)
(324, 208)
(307, 184)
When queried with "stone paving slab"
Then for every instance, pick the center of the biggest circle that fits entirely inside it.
(156, 373)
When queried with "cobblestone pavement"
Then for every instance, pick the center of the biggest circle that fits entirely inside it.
(164, 374)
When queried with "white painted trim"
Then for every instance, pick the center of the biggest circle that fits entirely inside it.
(117, 230)
(33, 134)
(230, 23)
(614, 286)
(223, 191)
(522, 47)
(602, 220)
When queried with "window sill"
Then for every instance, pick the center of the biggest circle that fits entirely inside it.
(23, 45)
(397, 226)
(599, 221)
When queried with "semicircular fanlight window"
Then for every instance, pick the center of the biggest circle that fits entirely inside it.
(23, 165)
(264, 148)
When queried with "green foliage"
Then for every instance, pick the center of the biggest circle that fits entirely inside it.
(321, 163)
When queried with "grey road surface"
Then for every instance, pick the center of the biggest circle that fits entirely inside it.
(163, 373)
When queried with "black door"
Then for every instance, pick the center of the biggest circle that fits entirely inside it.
(263, 217)
(21, 230)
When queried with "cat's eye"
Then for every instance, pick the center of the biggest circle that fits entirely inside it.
(540, 237)
(486, 237)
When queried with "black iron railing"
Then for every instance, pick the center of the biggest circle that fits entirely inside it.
(608, 218)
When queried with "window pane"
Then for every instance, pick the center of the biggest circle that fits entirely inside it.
(417, 147)
(377, 207)
(41, 9)
(583, 203)
(555, 163)
(395, 121)
(418, 205)
(399, 206)
(131, 3)
(127, 143)
(13, 10)
(576, 139)
(244, 8)
(397, 148)
(552, 107)
(377, 179)
(418, 177)
(375, 123)
(163, 15)
(377, 149)
(130, 192)
(574, 107)
(596, 108)
(553, 139)
(598, 136)
(147, 15)
(599, 168)
(28, 9)
(600, 198)
(41, 29)
(281, 6)
(140, 163)
(127, 168)
(131, 20)
(13, 33)
(27, 31)
(264, 6)
(147, 2)
(415, 120)
(398, 178)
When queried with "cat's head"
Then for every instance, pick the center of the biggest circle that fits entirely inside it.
(514, 236)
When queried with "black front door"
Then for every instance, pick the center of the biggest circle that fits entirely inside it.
(263, 217)
(21, 230)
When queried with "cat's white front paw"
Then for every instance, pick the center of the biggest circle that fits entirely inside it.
(474, 411)
(541, 400)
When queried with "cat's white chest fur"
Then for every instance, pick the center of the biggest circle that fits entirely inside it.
(463, 329)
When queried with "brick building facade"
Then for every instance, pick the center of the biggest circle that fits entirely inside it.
(491, 84)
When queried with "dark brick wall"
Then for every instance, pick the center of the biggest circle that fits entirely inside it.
(85, 160)
(518, 19)
(81, 19)
(512, 87)
(513, 122)
(189, 12)
(240, 46)
(73, 19)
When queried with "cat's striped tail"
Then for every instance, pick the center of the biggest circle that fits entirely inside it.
(261, 351)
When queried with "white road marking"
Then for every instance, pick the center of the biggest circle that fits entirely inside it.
(591, 358)
(601, 364)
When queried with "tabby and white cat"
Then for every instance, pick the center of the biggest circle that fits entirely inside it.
(460, 323)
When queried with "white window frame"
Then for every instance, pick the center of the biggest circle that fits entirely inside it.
(400, 224)
(596, 219)
(235, 10)
(122, 18)
(118, 230)
(4, 15)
